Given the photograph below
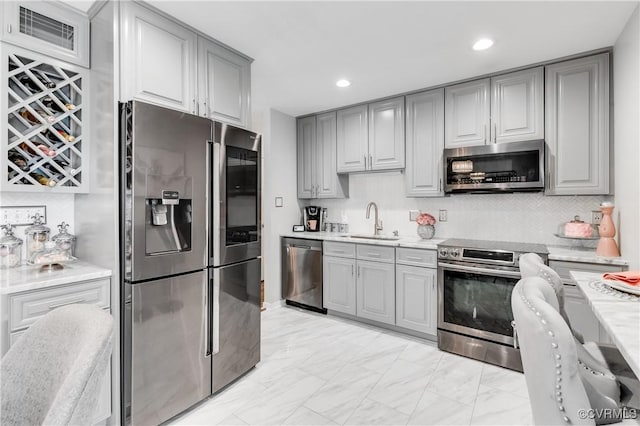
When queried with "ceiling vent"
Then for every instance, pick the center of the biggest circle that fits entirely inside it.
(44, 28)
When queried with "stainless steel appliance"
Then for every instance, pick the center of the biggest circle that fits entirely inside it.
(302, 273)
(182, 315)
(475, 281)
(314, 218)
(501, 167)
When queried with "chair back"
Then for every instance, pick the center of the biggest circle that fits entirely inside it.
(548, 353)
(53, 373)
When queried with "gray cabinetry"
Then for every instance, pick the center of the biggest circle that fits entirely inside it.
(375, 291)
(317, 176)
(386, 134)
(339, 284)
(158, 59)
(424, 143)
(577, 126)
(416, 298)
(352, 139)
(224, 83)
(467, 114)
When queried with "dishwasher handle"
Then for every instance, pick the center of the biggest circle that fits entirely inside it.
(290, 246)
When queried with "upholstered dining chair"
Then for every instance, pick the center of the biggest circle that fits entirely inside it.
(603, 368)
(53, 373)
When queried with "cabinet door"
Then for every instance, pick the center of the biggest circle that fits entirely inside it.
(224, 83)
(386, 134)
(425, 142)
(328, 183)
(467, 114)
(577, 126)
(339, 284)
(517, 106)
(580, 314)
(158, 62)
(375, 291)
(306, 156)
(416, 301)
(352, 139)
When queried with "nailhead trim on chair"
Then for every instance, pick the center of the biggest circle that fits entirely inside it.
(596, 372)
(558, 357)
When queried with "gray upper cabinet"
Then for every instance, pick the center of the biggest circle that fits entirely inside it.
(386, 134)
(517, 106)
(467, 114)
(158, 59)
(306, 156)
(577, 126)
(224, 83)
(51, 28)
(352, 139)
(425, 142)
(317, 176)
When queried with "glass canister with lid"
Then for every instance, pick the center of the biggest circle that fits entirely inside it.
(50, 257)
(10, 248)
(64, 240)
(36, 235)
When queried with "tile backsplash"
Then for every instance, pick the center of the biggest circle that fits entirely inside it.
(530, 217)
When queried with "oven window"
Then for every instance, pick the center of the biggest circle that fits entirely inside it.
(242, 196)
(480, 302)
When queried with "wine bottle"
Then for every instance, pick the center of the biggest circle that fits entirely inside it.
(54, 106)
(32, 86)
(53, 138)
(27, 115)
(42, 148)
(42, 179)
(18, 160)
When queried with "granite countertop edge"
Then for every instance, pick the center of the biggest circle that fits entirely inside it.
(29, 277)
(560, 253)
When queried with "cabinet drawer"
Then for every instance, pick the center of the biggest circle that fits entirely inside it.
(563, 269)
(378, 253)
(416, 257)
(26, 308)
(331, 248)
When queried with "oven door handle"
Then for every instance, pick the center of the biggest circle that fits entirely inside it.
(482, 271)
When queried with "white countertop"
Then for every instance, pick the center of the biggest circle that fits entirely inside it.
(619, 316)
(555, 252)
(29, 277)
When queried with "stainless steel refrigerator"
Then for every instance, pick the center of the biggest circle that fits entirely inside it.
(190, 321)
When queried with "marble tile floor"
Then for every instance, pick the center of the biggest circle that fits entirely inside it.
(323, 370)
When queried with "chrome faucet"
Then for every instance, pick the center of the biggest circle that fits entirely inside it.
(377, 227)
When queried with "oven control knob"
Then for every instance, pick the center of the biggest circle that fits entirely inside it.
(455, 253)
(444, 252)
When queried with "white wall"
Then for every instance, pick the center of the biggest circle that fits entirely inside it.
(626, 92)
(279, 180)
(530, 217)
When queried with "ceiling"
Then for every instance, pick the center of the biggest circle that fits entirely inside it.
(300, 49)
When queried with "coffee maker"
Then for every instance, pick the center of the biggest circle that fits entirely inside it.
(314, 218)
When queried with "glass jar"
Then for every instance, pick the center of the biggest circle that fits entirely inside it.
(50, 256)
(10, 249)
(36, 235)
(64, 240)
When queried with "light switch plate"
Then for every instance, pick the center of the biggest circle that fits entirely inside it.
(413, 215)
(442, 215)
(279, 202)
(21, 215)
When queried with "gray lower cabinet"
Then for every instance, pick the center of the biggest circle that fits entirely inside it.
(375, 291)
(339, 284)
(577, 126)
(416, 304)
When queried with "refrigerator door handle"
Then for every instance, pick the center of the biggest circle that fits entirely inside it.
(207, 318)
(215, 322)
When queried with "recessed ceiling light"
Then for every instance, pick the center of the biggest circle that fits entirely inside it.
(482, 44)
(343, 83)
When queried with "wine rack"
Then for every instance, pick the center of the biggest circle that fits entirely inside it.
(45, 148)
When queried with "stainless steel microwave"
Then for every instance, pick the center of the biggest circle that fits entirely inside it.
(502, 167)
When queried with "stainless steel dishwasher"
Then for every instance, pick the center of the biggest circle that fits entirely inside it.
(302, 273)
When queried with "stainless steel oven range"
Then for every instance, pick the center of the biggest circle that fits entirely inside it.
(475, 281)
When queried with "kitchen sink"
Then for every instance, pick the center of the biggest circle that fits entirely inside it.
(373, 237)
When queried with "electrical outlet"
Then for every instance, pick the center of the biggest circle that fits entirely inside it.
(596, 217)
(413, 215)
(21, 215)
(442, 215)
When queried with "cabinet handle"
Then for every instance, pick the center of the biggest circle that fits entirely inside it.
(440, 186)
(358, 271)
(485, 134)
(204, 105)
(373, 254)
(495, 132)
(365, 162)
(414, 258)
(194, 107)
(433, 285)
(9, 28)
(370, 162)
(68, 302)
(352, 268)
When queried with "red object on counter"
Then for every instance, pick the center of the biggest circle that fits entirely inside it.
(629, 277)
